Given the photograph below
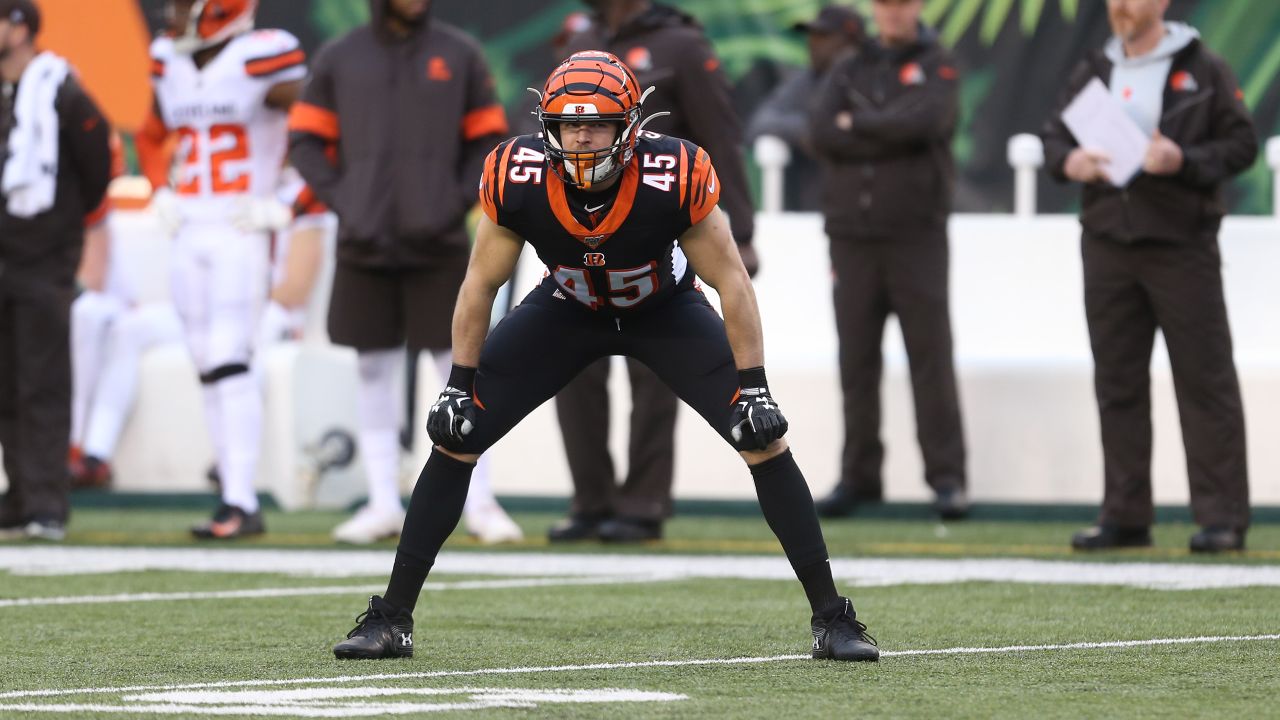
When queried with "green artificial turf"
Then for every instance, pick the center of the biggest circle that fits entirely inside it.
(201, 641)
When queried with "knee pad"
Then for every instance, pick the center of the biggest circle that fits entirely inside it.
(222, 372)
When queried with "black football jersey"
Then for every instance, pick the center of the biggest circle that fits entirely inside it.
(630, 260)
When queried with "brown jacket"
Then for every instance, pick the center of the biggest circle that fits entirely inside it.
(668, 50)
(391, 134)
(1204, 113)
(892, 173)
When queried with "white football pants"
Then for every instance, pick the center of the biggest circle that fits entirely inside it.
(220, 284)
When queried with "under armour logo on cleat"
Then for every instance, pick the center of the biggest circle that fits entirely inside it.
(406, 639)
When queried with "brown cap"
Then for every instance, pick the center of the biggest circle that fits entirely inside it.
(835, 19)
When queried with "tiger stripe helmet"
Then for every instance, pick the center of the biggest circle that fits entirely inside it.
(590, 85)
(212, 22)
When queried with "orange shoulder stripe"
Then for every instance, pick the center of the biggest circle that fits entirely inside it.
(491, 120)
(274, 64)
(684, 172)
(487, 186)
(313, 119)
(502, 172)
(157, 68)
(706, 188)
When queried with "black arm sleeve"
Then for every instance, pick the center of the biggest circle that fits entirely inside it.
(1234, 143)
(707, 108)
(485, 125)
(88, 142)
(926, 115)
(310, 139)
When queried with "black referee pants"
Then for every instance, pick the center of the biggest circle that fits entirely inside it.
(35, 396)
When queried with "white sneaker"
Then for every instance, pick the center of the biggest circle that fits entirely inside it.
(492, 525)
(370, 525)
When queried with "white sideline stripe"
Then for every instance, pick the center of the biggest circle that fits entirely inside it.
(859, 572)
(320, 702)
(309, 591)
(633, 665)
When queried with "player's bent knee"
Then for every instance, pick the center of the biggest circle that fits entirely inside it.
(460, 457)
(755, 457)
(222, 372)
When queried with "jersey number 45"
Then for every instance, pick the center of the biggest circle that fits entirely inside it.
(627, 288)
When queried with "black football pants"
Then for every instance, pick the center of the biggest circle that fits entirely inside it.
(546, 341)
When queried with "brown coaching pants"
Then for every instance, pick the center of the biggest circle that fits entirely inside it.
(907, 276)
(583, 409)
(1130, 290)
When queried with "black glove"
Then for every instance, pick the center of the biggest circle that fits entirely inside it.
(453, 416)
(756, 420)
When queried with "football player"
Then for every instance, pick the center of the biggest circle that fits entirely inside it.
(623, 219)
(224, 90)
(110, 330)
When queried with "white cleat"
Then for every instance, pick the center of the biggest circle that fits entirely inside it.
(491, 525)
(369, 525)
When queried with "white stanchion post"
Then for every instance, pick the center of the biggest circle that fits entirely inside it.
(772, 155)
(1026, 155)
(1273, 161)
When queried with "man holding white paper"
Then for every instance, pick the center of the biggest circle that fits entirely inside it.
(1151, 261)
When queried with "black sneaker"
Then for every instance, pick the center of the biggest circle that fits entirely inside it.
(381, 631)
(578, 526)
(630, 530)
(1110, 537)
(46, 529)
(230, 522)
(1217, 539)
(838, 635)
(951, 504)
(843, 500)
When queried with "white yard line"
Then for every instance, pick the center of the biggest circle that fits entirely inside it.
(1120, 644)
(308, 591)
(860, 572)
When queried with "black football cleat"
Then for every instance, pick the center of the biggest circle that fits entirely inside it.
(230, 522)
(838, 635)
(381, 631)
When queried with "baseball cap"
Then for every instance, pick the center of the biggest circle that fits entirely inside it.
(834, 19)
(21, 12)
